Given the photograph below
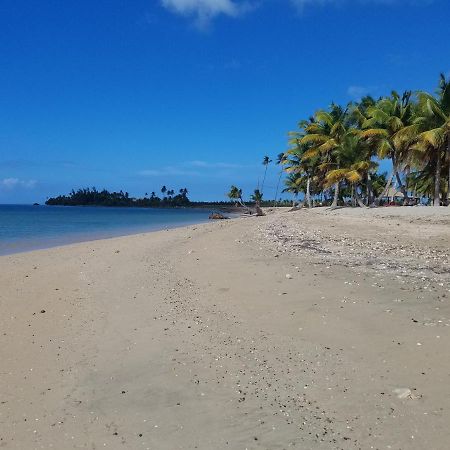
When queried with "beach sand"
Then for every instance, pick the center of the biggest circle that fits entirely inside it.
(306, 330)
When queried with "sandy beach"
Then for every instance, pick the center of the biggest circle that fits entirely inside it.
(311, 329)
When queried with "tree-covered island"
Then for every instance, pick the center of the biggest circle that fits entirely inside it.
(94, 197)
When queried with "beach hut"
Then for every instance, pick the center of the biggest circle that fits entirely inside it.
(395, 197)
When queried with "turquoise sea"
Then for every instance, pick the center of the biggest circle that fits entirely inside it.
(24, 227)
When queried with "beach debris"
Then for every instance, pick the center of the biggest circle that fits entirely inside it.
(403, 393)
(406, 393)
(289, 276)
(42, 311)
(217, 216)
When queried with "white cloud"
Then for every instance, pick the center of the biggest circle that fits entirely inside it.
(13, 183)
(203, 11)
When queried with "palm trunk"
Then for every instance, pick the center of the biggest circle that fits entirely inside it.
(402, 188)
(296, 207)
(448, 162)
(244, 205)
(336, 196)
(258, 210)
(278, 186)
(369, 189)
(264, 180)
(386, 188)
(308, 192)
(359, 199)
(437, 179)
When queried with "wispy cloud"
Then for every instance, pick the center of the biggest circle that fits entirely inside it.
(196, 168)
(168, 171)
(357, 92)
(214, 165)
(302, 4)
(204, 11)
(14, 183)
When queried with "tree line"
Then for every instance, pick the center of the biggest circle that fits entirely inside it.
(94, 197)
(334, 155)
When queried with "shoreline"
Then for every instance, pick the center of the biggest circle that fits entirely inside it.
(57, 237)
(196, 337)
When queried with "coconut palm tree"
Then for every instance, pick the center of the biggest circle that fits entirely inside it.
(236, 194)
(390, 129)
(324, 136)
(295, 184)
(433, 139)
(304, 167)
(358, 115)
(355, 164)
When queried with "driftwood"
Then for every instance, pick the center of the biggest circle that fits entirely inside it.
(217, 216)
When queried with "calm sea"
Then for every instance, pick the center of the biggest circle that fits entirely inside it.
(24, 228)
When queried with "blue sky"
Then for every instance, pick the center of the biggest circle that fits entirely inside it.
(134, 94)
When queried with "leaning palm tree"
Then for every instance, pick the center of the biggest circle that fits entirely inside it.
(433, 140)
(266, 162)
(236, 194)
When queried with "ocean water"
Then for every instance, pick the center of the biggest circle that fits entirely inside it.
(24, 227)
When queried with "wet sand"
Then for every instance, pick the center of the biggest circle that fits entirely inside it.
(295, 330)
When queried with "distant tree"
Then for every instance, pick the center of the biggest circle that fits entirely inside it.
(236, 194)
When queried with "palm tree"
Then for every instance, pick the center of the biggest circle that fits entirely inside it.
(355, 164)
(163, 190)
(433, 140)
(358, 115)
(325, 136)
(257, 198)
(295, 163)
(266, 162)
(236, 194)
(295, 185)
(281, 159)
(390, 128)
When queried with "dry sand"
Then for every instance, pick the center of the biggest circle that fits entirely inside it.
(295, 330)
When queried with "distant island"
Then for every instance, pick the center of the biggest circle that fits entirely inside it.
(94, 197)
(169, 199)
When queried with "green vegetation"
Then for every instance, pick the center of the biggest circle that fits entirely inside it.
(93, 197)
(337, 150)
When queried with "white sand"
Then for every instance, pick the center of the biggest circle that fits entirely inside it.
(196, 337)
